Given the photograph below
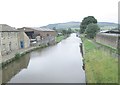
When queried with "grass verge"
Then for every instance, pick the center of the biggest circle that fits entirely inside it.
(100, 66)
(59, 38)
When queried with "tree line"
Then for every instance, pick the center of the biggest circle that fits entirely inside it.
(63, 31)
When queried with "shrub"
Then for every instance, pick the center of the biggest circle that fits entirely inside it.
(17, 55)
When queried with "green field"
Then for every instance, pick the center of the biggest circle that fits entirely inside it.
(100, 66)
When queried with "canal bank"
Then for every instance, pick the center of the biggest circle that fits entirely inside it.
(61, 63)
(8, 58)
(100, 63)
(16, 54)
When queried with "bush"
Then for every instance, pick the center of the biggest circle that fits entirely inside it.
(17, 55)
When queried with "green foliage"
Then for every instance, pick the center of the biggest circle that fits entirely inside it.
(82, 28)
(86, 21)
(88, 45)
(64, 32)
(69, 31)
(59, 38)
(77, 30)
(91, 30)
(17, 55)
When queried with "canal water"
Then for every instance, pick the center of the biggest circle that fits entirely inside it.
(61, 63)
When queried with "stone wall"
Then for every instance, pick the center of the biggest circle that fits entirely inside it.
(0, 61)
(45, 34)
(9, 42)
(23, 37)
(26, 40)
(107, 39)
(0, 46)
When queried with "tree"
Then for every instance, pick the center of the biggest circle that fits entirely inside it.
(64, 32)
(69, 31)
(77, 30)
(91, 30)
(86, 21)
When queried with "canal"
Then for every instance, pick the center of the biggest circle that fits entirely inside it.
(61, 63)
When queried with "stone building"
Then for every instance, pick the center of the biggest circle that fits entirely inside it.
(11, 39)
(0, 46)
(39, 35)
(23, 40)
(0, 55)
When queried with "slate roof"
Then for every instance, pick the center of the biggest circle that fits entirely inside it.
(111, 31)
(43, 29)
(35, 28)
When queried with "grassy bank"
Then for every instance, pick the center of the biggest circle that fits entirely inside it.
(59, 38)
(100, 66)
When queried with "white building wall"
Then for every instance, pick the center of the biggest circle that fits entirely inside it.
(26, 40)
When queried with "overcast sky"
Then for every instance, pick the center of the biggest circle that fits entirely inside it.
(20, 13)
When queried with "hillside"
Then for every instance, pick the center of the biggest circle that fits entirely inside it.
(63, 25)
(76, 25)
(102, 24)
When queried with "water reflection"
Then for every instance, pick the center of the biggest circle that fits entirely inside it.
(14, 68)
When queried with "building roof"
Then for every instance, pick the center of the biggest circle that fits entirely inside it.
(103, 31)
(7, 28)
(43, 29)
(111, 31)
(35, 28)
(109, 34)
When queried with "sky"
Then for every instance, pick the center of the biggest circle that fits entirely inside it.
(36, 13)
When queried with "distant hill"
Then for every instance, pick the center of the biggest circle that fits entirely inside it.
(63, 25)
(76, 25)
(102, 24)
